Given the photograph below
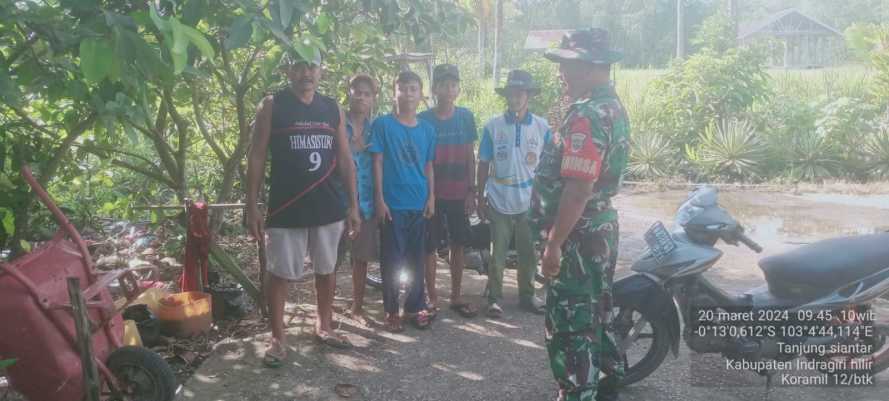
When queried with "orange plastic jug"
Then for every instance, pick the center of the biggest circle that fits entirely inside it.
(185, 314)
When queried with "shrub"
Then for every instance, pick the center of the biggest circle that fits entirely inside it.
(651, 156)
(846, 124)
(706, 88)
(812, 158)
(729, 149)
(876, 153)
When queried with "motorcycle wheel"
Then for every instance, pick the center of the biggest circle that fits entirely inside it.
(878, 359)
(644, 339)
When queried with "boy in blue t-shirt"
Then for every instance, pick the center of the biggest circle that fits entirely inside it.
(403, 149)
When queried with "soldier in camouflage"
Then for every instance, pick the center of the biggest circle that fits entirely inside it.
(580, 171)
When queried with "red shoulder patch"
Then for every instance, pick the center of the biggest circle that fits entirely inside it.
(581, 157)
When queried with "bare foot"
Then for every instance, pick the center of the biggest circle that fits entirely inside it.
(358, 315)
(393, 323)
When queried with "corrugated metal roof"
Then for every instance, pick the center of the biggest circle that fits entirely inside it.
(758, 26)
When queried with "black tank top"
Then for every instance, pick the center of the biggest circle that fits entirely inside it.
(305, 189)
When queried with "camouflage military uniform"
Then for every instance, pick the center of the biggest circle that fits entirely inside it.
(591, 145)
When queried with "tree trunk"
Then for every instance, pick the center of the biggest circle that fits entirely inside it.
(232, 165)
(481, 47)
(498, 38)
(733, 13)
(680, 30)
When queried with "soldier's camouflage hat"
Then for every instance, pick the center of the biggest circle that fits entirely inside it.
(590, 45)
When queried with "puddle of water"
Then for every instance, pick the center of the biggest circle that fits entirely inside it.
(782, 218)
(877, 201)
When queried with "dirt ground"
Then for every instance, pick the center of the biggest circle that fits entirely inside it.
(484, 359)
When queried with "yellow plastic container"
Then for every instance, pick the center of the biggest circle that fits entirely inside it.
(151, 298)
(185, 314)
(131, 333)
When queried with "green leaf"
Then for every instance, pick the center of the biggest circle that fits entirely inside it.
(285, 10)
(113, 19)
(305, 49)
(8, 222)
(179, 47)
(161, 24)
(154, 217)
(277, 32)
(193, 11)
(116, 67)
(131, 134)
(26, 246)
(323, 23)
(271, 61)
(131, 46)
(9, 91)
(200, 41)
(95, 58)
(5, 363)
(5, 183)
(239, 33)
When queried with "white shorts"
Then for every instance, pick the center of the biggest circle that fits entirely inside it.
(286, 250)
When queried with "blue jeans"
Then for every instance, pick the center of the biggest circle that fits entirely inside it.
(403, 247)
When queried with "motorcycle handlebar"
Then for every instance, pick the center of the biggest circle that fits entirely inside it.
(749, 242)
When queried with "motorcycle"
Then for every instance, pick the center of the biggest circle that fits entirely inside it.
(816, 302)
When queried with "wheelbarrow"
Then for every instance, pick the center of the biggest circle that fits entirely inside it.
(38, 328)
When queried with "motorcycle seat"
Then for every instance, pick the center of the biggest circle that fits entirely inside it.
(814, 270)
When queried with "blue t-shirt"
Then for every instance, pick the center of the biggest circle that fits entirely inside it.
(363, 168)
(406, 150)
(454, 146)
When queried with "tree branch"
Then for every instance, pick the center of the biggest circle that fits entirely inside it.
(202, 126)
(27, 119)
(18, 52)
(103, 151)
(163, 149)
(182, 128)
(155, 175)
(243, 82)
(74, 132)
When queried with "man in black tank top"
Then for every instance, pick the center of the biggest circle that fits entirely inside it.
(305, 135)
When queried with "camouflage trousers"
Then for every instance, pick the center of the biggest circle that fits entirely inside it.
(577, 345)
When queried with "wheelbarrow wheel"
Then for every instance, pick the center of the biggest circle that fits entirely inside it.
(142, 374)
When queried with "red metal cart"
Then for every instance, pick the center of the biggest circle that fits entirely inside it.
(38, 329)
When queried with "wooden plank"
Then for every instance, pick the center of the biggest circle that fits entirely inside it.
(84, 340)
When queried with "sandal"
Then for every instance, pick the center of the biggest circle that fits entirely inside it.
(432, 311)
(274, 359)
(420, 320)
(333, 340)
(494, 311)
(464, 309)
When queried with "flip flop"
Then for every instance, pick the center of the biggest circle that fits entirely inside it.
(333, 341)
(432, 312)
(494, 311)
(464, 309)
(420, 320)
(274, 360)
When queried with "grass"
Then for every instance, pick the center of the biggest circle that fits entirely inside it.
(851, 81)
